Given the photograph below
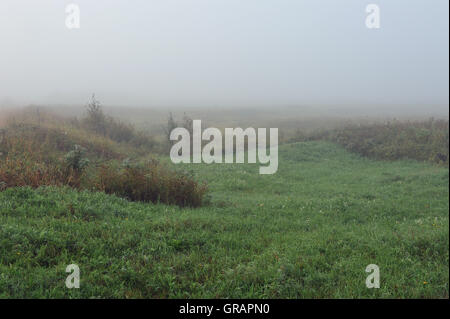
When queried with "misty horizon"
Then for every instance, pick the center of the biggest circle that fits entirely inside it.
(226, 54)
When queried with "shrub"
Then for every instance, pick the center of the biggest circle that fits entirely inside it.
(150, 182)
(75, 159)
(16, 172)
(96, 121)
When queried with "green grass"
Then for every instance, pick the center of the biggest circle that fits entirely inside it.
(309, 231)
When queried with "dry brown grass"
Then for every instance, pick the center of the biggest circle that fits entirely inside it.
(36, 154)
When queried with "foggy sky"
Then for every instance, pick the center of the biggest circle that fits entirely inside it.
(225, 52)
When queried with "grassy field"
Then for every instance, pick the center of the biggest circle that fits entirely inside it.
(308, 231)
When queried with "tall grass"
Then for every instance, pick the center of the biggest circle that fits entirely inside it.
(421, 140)
(42, 154)
(150, 182)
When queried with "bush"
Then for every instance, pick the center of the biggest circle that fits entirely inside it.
(150, 182)
(97, 122)
(16, 172)
(96, 119)
(75, 159)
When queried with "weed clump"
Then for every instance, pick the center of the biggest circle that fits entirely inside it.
(150, 182)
